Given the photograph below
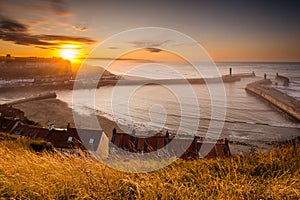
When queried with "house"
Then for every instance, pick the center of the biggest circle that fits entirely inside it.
(30, 132)
(64, 140)
(9, 111)
(97, 142)
(165, 146)
(69, 139)
(8, 124)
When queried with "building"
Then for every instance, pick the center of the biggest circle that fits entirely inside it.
(8, 124)
(31, 71)
(96, 141)
(64, 140)
(166, 146)
(9, 111)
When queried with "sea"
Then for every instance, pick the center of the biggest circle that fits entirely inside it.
(221, 110)
(209, 110)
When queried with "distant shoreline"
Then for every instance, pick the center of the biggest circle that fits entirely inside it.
(76, 84)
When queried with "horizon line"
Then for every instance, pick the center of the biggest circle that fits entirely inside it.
(145, 60)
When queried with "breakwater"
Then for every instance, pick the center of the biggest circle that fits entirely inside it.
(168, 81)
(33, 98)
(282, 101)
(224, 79)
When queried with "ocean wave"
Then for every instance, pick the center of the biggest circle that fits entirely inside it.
(124, 121)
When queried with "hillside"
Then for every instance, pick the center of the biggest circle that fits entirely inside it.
(25, 174)
(33, 67)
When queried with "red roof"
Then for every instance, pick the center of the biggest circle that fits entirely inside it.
(179, 147)
(62, 138)
(31, 132)
(7, 124)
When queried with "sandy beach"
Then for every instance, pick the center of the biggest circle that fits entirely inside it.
(57, 111)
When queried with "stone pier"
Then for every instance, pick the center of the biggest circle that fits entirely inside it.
(286, 103)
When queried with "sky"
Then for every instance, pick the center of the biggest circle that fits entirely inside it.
(227, 30)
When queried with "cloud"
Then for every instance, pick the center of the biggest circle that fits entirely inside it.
(48, 48)
(23, 39)
(14, 31)
(66, 38)
(153, 50)
(121, 59)
(38, 8)
(151, 46)
(12, 25)
(80, 28)
(59, 7)
(113, 48)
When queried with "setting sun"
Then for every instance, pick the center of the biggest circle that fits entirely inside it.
(69, 54)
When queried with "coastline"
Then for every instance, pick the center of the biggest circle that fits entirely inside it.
(46, 111)
(57, 111)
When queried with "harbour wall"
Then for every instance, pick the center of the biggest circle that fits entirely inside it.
(282, 101)
(41, 96)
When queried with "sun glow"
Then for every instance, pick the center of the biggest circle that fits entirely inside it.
(71, 53)
(68, 53)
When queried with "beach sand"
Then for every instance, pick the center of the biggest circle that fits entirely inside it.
(57, 111)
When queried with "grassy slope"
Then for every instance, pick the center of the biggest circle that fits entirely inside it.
(25, 174)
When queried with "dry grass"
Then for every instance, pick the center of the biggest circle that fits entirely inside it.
(28, 175)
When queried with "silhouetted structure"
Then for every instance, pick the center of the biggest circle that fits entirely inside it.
(285, 80)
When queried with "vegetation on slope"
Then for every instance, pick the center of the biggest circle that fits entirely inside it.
(26, 174)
